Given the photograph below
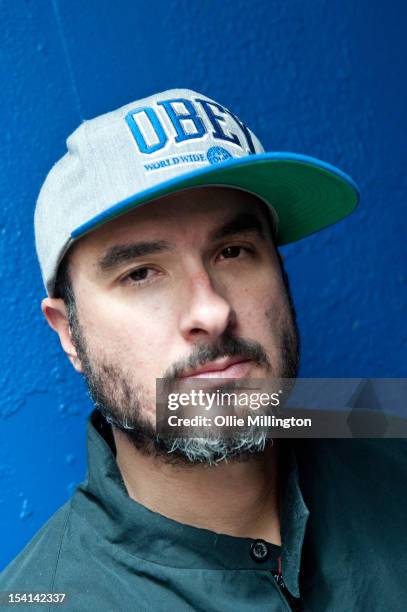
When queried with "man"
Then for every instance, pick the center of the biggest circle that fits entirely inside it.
(157, 235)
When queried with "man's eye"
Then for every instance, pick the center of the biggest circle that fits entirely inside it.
(140, 275)
(233, 252)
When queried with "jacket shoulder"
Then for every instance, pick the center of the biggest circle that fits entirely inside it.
(34, 567)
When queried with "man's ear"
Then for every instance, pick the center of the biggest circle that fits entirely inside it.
(54, 310)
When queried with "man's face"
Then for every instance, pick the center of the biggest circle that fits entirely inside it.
(190, 284)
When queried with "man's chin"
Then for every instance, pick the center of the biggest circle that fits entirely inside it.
(213, 451)
(190, 451)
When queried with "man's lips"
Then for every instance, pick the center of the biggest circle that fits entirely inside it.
(223, 368)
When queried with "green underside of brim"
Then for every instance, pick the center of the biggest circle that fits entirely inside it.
(306, 197)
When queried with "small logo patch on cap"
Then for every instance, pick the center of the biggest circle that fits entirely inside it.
(216, 155)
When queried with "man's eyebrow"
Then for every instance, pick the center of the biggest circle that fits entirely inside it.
(243, 222)
(123, 253)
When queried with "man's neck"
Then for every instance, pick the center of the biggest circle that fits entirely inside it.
(238, 498)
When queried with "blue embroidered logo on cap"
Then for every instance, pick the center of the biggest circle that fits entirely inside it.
(189, 120)
(216, 155)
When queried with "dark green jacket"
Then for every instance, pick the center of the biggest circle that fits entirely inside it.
(344, 517)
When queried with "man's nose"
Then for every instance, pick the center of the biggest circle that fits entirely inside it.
(207, 313)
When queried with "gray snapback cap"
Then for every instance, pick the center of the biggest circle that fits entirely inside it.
(175, 140)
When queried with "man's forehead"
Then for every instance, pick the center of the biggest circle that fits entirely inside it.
(201, 210)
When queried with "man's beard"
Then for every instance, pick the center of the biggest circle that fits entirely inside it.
(123, 404)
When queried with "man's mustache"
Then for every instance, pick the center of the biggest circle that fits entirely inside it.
(227, 346)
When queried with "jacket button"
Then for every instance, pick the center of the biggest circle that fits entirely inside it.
(259, 551)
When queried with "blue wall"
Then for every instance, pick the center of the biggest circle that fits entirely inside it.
(319, 77)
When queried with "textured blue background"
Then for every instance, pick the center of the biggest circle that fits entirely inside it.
(319, 77)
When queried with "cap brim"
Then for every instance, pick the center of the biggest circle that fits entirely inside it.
(305, 193)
